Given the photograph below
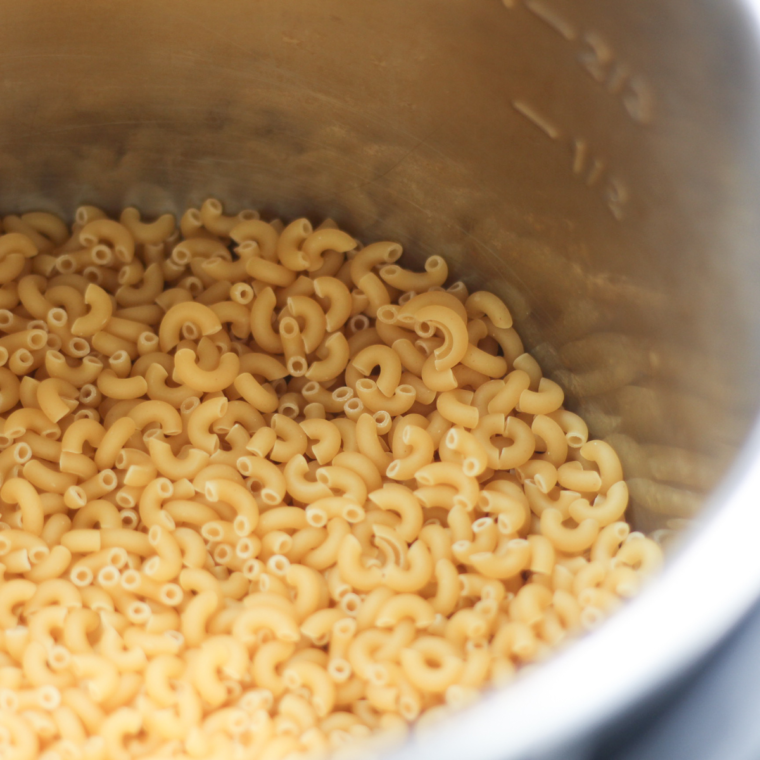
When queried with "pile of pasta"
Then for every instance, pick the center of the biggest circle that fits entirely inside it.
(265, 493)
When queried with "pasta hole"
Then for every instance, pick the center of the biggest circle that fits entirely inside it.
(460, 501)
(339, 670)
(297, 366)
(190, 331)
(57, 317)
(49, 697)
(38, 553)
(408, 708)
(8, 701)
(101, 255)
(242, 293)
(88, 393)
(22, 453)
(108, 479)
(346, 627)
(81, 576)
(481, 524)
(129, 519)
(424, 329)
(353, 513)
(317, 518)
(93, 274)
(171, 594)
(268, 496)
(130, 579)
(350, 604)
(125, 499)
(37, 339)
(289, 409)
(138, 613)
(79, 347)
(117, 557)
(244, 548)
(358, 322)
(108, 576)
(342, 394)
(242, 525)
(378, 675)
(471, 467)
(58, 658)
(212, 532)
(387, 314)
(252, 569)
(278, 565)
(66, 264)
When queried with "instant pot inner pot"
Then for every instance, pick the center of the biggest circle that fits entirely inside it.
(589, 162)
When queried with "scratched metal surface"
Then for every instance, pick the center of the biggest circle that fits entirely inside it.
(594, 162)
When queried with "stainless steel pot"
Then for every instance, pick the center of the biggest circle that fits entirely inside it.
(595, 163)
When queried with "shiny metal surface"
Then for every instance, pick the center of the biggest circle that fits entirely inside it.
(595, 163)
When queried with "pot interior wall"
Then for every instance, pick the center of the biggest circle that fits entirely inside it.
(591, 164)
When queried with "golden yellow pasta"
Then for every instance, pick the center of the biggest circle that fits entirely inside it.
(263, 491)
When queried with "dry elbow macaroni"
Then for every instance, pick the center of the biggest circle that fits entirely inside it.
(263, 492)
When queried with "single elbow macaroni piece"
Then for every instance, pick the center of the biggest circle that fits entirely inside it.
(147, 232)
(112, 232)
(388, 361)
(323, 240)
(274, 483)
(502, 566)
(482, 302)
(187, 371)
(569, 540)
(99, 315)
(606, 509)
(547, 399)
(339, 298)
(315, 678)
(608, 462)
(435, 274)
(202, 317)
(23, 493)
(439, 473)
(240, 499)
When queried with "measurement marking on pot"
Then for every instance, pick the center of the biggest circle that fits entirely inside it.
(551, 18)
(586, 166)
(599, 60)
(616, 195)
(580, 151)
(597, 168)
(536, 118)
